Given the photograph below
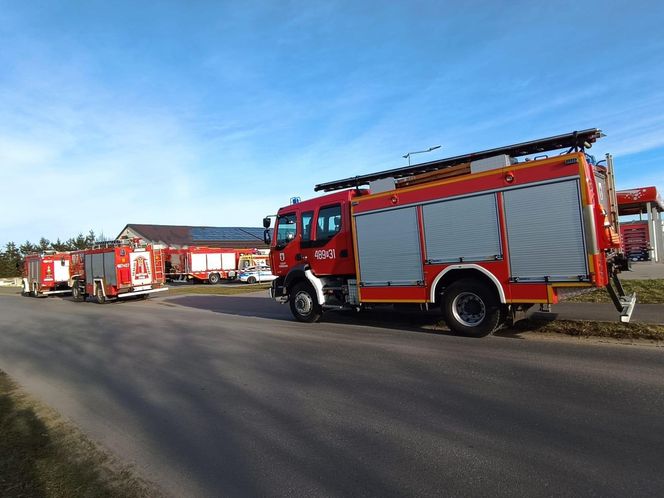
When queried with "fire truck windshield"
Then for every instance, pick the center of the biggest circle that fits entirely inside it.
(285, 229)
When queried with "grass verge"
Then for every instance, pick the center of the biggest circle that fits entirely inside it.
(219, 290)
(615, 330)
(43, 456)
(647, 292)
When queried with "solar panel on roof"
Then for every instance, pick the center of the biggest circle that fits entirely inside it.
(248, 234)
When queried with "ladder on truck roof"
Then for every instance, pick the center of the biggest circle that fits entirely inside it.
(576, 140)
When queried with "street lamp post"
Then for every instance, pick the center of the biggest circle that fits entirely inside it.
(407, 156)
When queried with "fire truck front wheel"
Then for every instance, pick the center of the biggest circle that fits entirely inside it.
(471, 308)
(303, 303)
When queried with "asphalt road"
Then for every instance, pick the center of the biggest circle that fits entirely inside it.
(226, 396)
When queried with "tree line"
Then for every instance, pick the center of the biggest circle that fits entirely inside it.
(13, 256)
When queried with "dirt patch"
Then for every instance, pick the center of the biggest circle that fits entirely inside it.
(217, 290)
(614, 330)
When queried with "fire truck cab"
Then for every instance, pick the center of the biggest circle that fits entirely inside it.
(484, 236)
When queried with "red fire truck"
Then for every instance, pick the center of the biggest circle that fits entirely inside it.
(484, 236)
(117, 270)
(46, 273)
(209, 264)
(636, 240)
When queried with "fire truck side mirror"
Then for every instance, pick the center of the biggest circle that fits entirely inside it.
(266, 236)
(266, 222)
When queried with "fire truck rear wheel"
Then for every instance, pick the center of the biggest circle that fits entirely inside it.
(304, 304)
(76, 292)
(214, 278)
(99, 294)
(471, 308)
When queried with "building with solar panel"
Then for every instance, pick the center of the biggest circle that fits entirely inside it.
(179, 236)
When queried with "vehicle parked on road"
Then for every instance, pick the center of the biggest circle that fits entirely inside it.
(46, 274)
(253, 275)
(117, 270)
(484, 236)
(210, 264)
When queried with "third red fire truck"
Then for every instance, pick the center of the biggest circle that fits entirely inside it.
(211, 264)
(46, 274)
(484, 236)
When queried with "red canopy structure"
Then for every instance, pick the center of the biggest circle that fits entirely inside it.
(636, 200)
(648, 201)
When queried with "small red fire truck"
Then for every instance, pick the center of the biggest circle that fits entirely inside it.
(117, 270)
(209, 264)
(636, 240)
(484, 236)
(46, 273)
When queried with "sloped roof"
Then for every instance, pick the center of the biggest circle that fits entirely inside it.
(193, 235)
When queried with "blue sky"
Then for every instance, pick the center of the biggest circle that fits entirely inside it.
(216, 113)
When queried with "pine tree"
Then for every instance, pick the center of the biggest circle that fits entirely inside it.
(11, 262)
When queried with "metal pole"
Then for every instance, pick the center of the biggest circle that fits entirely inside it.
(651, 232)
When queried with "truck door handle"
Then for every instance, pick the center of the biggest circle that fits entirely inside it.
(343, 253)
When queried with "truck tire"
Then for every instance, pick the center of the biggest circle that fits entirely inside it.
(471, 308)
(214, 278)
(76, 292)
(304, 303)
(99, 294)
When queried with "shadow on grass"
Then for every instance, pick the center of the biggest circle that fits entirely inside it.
(40, 456)
(25, 441)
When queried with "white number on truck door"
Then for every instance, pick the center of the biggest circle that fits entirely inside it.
(325, 254)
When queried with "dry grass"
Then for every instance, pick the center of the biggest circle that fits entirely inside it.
(584, 328)
(8, 291)
(647, 292)
(218, 290)
(43, 456)
(178, 289)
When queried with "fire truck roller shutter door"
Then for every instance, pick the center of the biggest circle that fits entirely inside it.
(109, 268)
(98, 265)
(389, 247)
(214, 261)
(228, 261)
(545, 232)
(60, 269)
(88, 269)
(473, 221)
(35, 266)
(198, 262)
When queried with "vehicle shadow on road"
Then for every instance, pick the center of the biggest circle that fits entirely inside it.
(389, 317)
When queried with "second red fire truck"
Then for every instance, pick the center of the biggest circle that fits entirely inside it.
(117, 270)
(484, 236)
